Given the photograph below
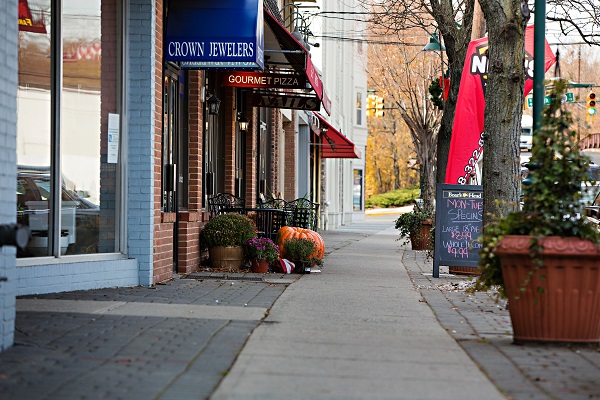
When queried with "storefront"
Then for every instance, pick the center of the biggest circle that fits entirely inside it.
(118, 146)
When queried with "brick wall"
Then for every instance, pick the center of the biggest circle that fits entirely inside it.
(163, 222)
(290, 159)
(251, 152)
(190, 221)
(276, 126)
(229, 142)
(8, 164)
(141, 82)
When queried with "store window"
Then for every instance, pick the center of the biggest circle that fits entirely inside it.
(214, 142)
(357, 190)
(359, 108)
(68, 129)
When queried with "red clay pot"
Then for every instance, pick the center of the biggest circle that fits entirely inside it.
(260, 266)
(568, 307)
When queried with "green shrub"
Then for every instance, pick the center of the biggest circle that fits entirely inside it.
(395, 198)
(227, 230)
(299, 249)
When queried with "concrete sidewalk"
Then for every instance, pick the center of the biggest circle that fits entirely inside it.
(359, 330)
(373, 325)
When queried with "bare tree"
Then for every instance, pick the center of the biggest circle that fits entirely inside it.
(505, 22)
(451, 19)
(579, 17)
(402, 76)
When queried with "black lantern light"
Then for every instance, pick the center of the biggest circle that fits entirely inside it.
(213, 104)
(242, 122)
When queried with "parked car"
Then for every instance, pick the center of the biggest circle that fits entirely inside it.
(80, 217)
(526, 138)
(589, 189)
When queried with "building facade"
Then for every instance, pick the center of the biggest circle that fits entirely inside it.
(344, 59)
(114, 146)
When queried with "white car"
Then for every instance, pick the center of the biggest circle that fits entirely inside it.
(525, 141)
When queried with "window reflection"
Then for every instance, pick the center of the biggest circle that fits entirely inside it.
(88, 95)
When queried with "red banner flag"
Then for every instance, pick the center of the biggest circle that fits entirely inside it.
(466, 145)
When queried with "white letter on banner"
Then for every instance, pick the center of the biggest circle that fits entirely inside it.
(478, 64)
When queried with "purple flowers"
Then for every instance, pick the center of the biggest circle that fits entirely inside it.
(261, 249)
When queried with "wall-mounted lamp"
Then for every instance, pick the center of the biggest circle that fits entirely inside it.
(242, 121)
(434, 44)
(213, 104)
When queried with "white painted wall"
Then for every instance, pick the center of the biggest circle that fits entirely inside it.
(343, 63)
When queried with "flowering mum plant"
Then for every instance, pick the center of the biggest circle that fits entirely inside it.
(229, 229)
(262, 249)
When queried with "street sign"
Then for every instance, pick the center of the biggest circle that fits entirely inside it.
(568, 97)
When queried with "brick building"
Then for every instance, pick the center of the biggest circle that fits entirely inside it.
(113, 147)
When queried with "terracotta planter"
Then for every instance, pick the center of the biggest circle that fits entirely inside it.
(226, 256)
(568, 307)
(421, 240)
(260, 266)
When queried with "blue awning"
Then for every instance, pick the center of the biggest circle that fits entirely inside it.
(208, 34)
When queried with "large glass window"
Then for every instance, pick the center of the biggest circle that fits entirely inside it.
(68, 131)
(357, 190)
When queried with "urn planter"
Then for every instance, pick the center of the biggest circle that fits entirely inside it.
(226, 256)
(420, 239)
(558, 301)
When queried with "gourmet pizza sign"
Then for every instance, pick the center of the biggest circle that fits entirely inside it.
(260, 80)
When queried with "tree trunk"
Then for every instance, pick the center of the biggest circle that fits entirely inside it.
(504, 105)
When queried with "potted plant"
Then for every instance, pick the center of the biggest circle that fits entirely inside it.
(225, 235)
(545, 258)
(262, 252)
(415, 227)
(300, 251)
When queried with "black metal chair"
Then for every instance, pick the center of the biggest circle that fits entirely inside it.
(303, 213)
(279, 204)
(226, 202)
(269, 221)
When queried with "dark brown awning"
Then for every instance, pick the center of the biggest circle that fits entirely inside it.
(282, 50)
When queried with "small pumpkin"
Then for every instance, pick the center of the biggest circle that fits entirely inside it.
(287, 232)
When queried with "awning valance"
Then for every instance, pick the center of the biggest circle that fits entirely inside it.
(205, 34)
(334, 144)
(282, 49)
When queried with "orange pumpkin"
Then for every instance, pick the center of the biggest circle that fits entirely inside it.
(288, 232)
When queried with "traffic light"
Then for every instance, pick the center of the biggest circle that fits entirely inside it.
(379, 107)
(590, 106)
(371, 105)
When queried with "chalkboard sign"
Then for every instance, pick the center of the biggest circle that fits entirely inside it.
(458, 225)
